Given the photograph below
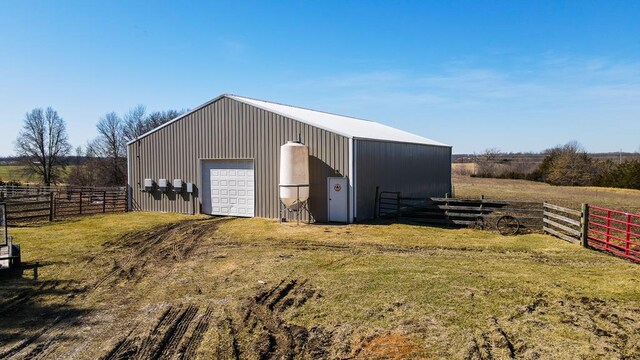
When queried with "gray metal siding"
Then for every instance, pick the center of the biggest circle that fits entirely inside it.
(412, 169)
(228, 129)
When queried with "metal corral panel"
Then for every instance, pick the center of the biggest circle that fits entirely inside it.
(229, 129)
(412, 169)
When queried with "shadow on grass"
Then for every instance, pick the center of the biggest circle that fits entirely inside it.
(31, 309)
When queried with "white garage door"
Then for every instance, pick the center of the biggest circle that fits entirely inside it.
(231, 185)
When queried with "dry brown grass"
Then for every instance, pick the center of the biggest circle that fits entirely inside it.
(569, 196)
(464, 169)
(163, 285)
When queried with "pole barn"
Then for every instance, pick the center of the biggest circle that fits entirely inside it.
(222, 158)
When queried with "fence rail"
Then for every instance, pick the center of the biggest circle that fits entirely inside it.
(47, 204)
(614, 231)
(457, 212)
(562, 222)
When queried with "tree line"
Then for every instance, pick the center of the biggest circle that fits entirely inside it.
(43, 149)
(567, 164)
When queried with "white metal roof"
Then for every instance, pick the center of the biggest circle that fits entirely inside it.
(343, 125)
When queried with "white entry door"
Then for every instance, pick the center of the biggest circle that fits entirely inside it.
(338, 188)
(232, 187)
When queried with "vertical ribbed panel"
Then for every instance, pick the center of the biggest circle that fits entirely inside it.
(412, 169)
(228, 129)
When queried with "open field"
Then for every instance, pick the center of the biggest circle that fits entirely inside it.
(569, 196)
(17, 173)
(142, 285)
(14, 173)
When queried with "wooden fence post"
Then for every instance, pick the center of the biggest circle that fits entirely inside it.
(584, 226)
(51, 206)
(80, 202)
(104, 202)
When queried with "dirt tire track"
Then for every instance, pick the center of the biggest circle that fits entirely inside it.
(167, 338)
(151, 342)
(132, 347)
(159, 235)
(172, 338)
(276, 338)
(146, 245)
(31, 339)
(40, 350)
(189, 348)
(124, 348)
(505, 337)
(161, 244)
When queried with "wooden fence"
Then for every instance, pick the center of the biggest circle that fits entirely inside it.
(30, 205)
(615, 232)
(457, 212)
(563, 223)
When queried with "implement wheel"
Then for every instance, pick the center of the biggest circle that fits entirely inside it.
(508, 225)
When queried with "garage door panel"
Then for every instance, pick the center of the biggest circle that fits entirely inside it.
(231, 187)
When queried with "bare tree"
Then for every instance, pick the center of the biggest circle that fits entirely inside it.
(134, 123)
(110, 146)
(85, 167)
(487, 163)
(158, 118)
(137, 123)
(42, 144)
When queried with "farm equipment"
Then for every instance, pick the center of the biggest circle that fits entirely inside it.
(505, 224)
(9, 252)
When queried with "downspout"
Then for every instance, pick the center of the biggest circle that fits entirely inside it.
(129, 185)
(351, 178)
(355, 181)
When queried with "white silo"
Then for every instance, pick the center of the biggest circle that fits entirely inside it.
(294, 174)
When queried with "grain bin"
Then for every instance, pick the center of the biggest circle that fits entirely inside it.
(294, 174)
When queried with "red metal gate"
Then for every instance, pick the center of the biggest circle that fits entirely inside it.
(614, 231)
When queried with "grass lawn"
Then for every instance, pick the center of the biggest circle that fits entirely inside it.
(569, 196)
(154, 285)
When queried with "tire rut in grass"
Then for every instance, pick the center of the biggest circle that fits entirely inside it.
(610, 327)
(169, 341)
(131, 255)
(261, 329)
(133, 251)
(42, 349)
(493, 343)
(166, 340)
(189, 347)
(32, 342)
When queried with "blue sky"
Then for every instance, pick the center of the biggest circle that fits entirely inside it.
(512, 75)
